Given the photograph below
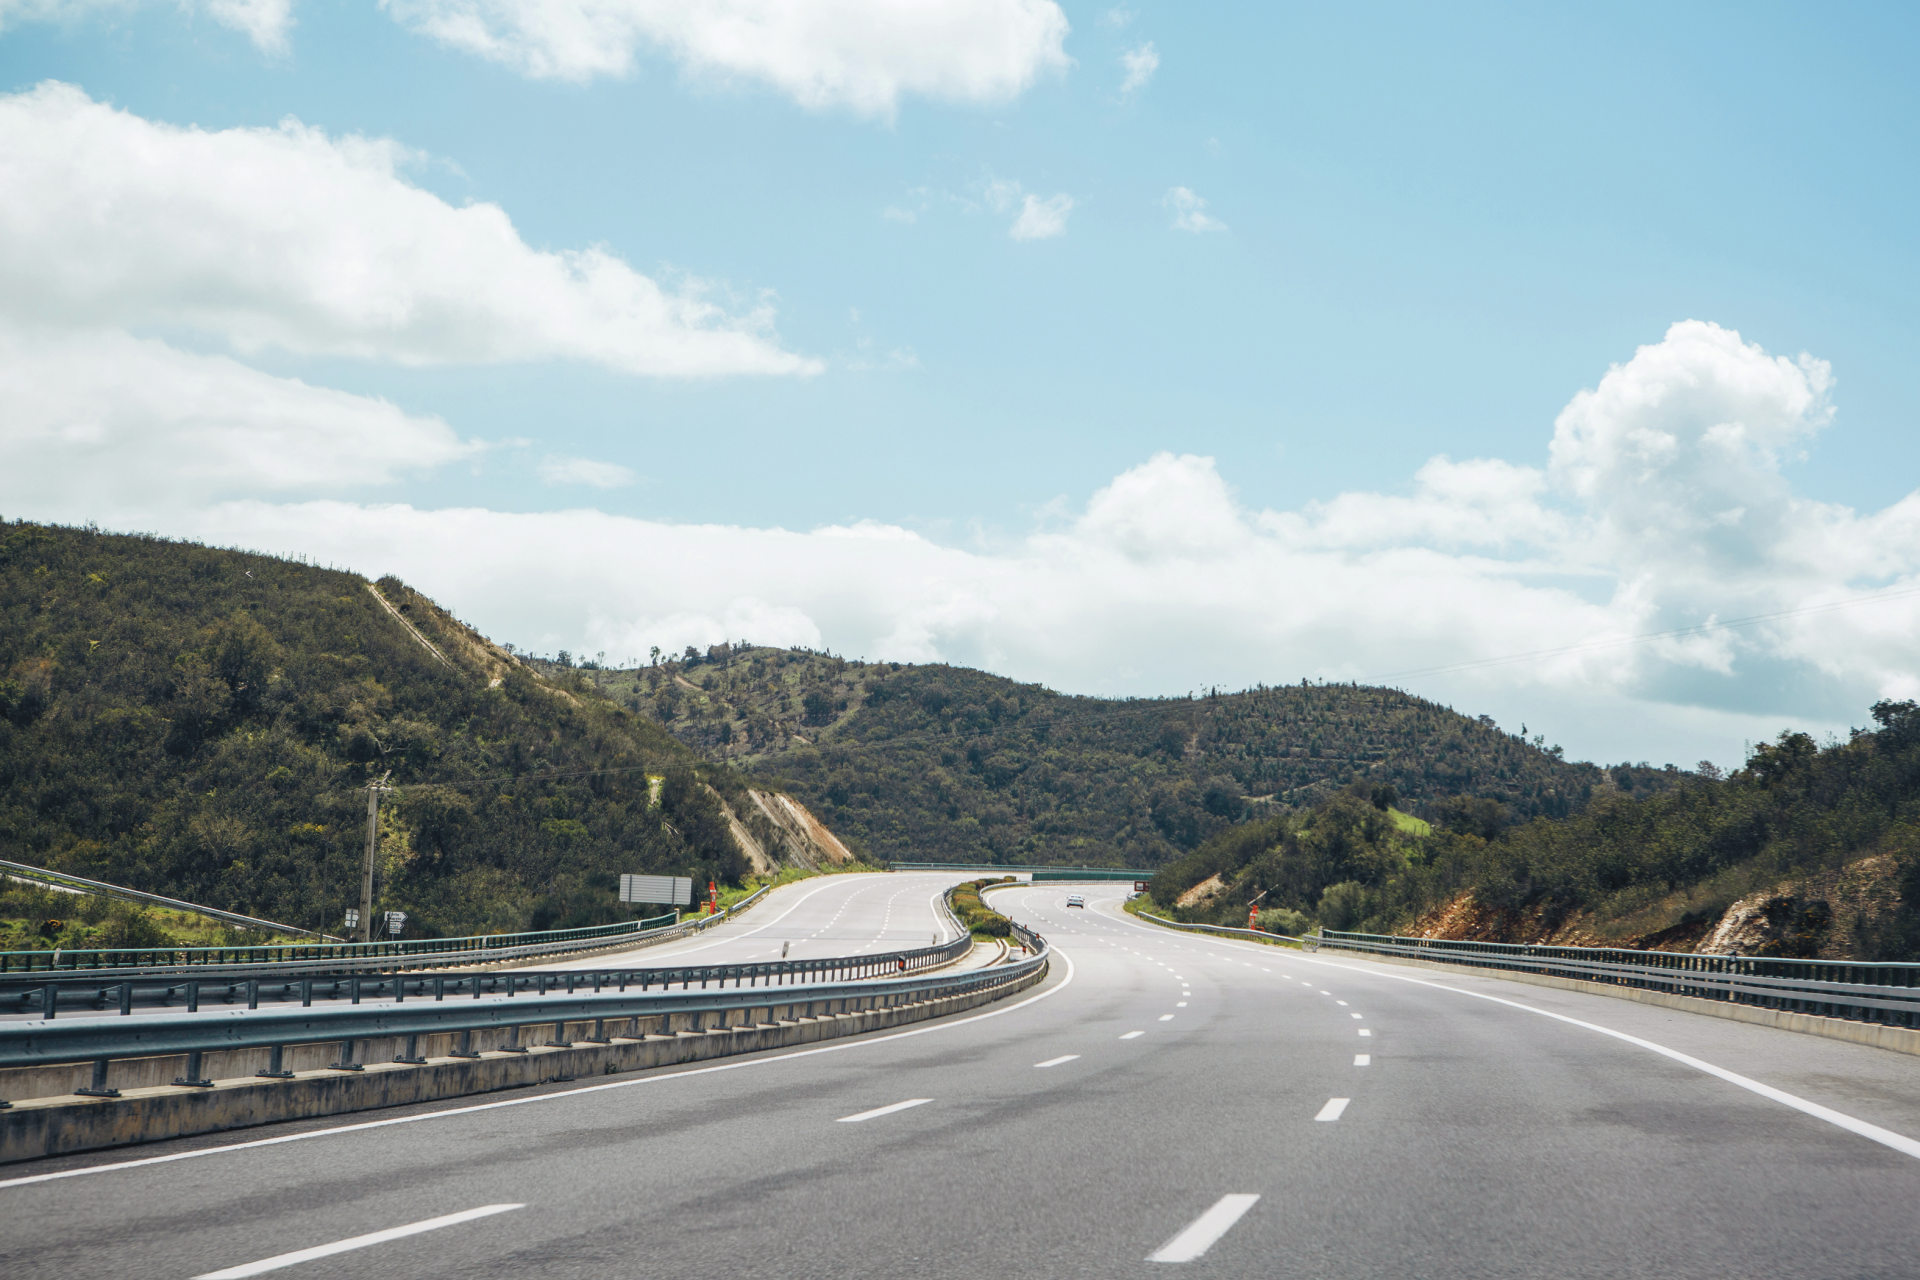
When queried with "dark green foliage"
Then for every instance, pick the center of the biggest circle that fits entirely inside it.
(200, 723)
(980, 919)
(950, 764)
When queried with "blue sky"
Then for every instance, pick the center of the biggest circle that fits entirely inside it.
(1407, 234)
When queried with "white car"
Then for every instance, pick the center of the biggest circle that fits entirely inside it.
(1076, 901)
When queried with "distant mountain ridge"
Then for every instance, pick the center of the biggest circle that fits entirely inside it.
(935, 761)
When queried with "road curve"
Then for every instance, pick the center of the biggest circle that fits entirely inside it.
(1162, 1100)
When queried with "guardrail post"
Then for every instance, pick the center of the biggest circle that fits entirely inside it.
(513, 1044)
(253, 993)
(193, 997)
(399, 988)
(353, 986)
(49, 1000)
(275, 1071)
(465, 1048)
(599, 1035)
(98, 1089)
(439, 987)
(412, 1055)
(560, 1040)
(193, 1076)
(346, 1062)
(126, 999)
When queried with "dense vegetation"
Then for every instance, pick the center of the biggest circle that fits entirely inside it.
(980, 919)
(202, 723)
(1656, 870)
(949, 764)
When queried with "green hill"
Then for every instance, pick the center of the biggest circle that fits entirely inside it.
(200, 723)
(950, 764)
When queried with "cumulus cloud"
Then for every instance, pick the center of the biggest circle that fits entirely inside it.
(1042, 219)
(864, 55)
(1190, 211)
(265, 22)
(103, 422)
(292, 239)
(1664, 504)
(555, 469)
(1140, 63)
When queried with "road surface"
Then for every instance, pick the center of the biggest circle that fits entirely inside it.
(1163, 1101)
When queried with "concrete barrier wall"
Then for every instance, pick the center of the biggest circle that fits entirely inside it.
(43, 1126)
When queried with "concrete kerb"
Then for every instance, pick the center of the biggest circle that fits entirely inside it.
(1875, 1034)
(37, 1127)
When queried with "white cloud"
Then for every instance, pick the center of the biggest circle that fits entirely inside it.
(1189, 211)
(1164, 580)
(1140, 63)
(1042, 219)
(288, 238)
(101, 422)
(555, 469)
(860, 54)
(265, 22)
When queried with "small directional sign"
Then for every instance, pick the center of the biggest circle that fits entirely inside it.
(672, 891)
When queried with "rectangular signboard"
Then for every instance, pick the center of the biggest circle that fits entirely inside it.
(672, 891)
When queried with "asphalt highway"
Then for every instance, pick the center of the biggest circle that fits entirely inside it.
(839, 915)
(1163, 1100)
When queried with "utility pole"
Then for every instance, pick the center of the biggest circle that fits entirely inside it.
(365, 929)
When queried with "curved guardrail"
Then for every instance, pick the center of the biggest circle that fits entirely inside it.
(421, 953)
(1260, 934)
(101, 1040)
(1852, 990)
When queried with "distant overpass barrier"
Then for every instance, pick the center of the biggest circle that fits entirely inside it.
(420, 953)
(1853, 990)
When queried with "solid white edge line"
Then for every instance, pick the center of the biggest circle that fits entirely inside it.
(1839, 1119)
(1333, 1108)
(883, 1111)
(1054, 1062)
(280, 1260)
(1201, 1234)
(850, 1043)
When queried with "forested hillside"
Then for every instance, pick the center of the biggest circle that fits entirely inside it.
(201, 723)
(951, 764)
(1805, 851)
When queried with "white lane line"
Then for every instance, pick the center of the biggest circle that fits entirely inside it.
(1342, 1002)
(1132, 1035)
(1362, 1059)
(1166, 1017)
(1179, 1004)
(883, 1111)
(1365, 1032)
(1054, 1062)
(1333, 1108)
(280, 1260)
(1207, 1228)
(1353, 1015)
(741, 1065)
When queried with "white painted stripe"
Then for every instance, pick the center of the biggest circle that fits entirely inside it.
(1179, 1004)
(1342, 1003)
(1207, 1228)
(1131, 1035)
(1355, 1015)
(883, 1111)
(1365, 1032)
(1054, 1062)
(1166, 1017)
(280, 1260)
(1362, 1059)
(1333, 1108)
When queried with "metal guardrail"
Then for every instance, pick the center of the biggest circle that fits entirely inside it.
(101, 1040)
(1260, 934)
(347, 957)
(1851, 990)
(62, 880)
(990, 869)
